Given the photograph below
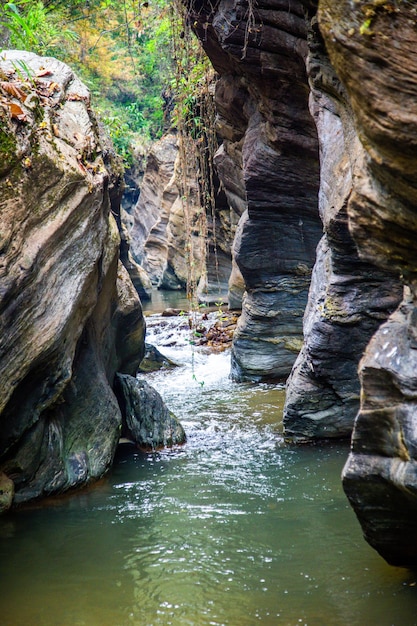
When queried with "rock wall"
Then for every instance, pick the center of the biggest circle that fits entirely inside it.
(174, 243)
(349, 297)
(373, 55)
(363, 102)
(69, 316)
(268, 163)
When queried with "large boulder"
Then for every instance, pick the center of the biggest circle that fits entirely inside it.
(69, 316)
(373, 55)
(146, 420)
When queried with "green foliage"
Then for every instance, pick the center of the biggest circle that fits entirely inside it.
(129, 54)
(122, 51)
(32, 28)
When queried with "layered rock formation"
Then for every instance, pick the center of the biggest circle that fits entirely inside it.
(268, 163)
(380, 475)
(152, 212)
(173, 239)
(69, 316)
(363, 103)
(349, 297)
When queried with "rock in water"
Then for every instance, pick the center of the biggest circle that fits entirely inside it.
(269, 165)
(154, 360)
(69, 316)
(146, 419)
(380, 477)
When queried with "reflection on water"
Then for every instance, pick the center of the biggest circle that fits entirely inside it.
(234, 528)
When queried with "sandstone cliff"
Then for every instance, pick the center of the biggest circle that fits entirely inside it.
(269, 59)
(69, 316)
(349, 296)
(174, 239)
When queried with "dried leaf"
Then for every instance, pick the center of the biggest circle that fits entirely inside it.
(16, 112)
(43, 72)
(76, 96)
(53, 86)
(13, 90)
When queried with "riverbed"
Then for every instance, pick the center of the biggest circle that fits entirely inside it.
(235, 528)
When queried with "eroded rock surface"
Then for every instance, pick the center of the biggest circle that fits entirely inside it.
(380, 475)
(175, 240)
(69, 316)
(268, 163)
(152, 212)
(349, 297)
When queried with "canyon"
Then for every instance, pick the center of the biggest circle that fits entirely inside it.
(316, 162)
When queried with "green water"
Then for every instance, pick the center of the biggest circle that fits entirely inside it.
(235, 528)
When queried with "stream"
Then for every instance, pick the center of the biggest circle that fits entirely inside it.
(234, 528)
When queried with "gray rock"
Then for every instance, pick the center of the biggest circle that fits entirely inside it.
(268, 163)
(153, 359)
(349, 298)
(69, 316)
(146, 419)
(379, 477)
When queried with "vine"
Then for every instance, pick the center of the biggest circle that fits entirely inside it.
(194, 117)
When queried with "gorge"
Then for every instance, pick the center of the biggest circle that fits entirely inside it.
(316, 202)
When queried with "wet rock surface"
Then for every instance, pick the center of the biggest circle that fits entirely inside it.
(145, 418)
(154, 360)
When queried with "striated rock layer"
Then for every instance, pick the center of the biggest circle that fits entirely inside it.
(372, 50)
(69, 315)
(349, 297)
(175, 241)
(269, 164)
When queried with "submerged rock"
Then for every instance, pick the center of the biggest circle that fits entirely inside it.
(154, 360)
(145, 418)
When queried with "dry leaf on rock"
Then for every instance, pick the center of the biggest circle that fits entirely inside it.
(43, 72)
(13, 90)
(77, 97)
(16, 112)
